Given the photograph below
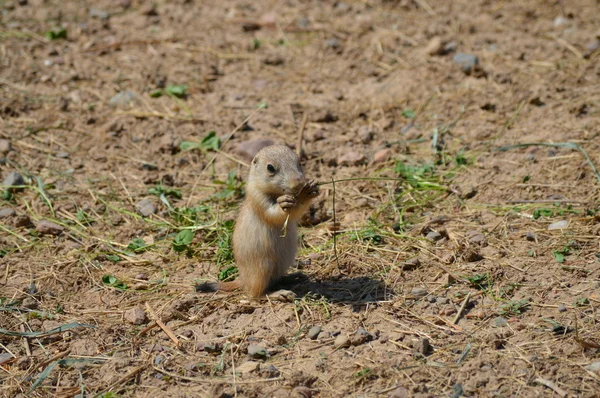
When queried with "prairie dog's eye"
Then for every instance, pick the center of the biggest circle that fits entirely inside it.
(271, 168)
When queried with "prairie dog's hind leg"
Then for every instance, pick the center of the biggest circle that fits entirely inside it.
(258, 278)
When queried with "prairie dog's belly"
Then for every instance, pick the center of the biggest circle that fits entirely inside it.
(254, 242)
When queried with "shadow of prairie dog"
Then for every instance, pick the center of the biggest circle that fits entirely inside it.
(277, 195)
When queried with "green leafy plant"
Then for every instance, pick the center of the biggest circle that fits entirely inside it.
(113, 281)
(409, 113)
(182, 240)
(115, 258)
(415, 175)
(561, 254)
(514, 307)
(478, 281)
(166, 191)
(57, 33)
(233, 187)
(177, 90)
(228, 273)
(137, 245)
(209, 143)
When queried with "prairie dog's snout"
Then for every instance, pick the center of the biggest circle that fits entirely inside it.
(296, 183)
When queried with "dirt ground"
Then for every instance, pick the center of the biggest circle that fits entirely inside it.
(442, 258)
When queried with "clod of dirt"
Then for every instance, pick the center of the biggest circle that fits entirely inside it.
(256, 351)
(382, 155)
(324, 116)
(433, 236)
(313, 332)
(5, 146)
(476, 237)
(418, 292)
(248, 367)
(467, 62)
(422, 346)
(411, 264)
(434, 46)
(248, 149)
(142, 276)
(136, 316)
(274, 60)
(530, 236)
(14, 179)
(399, 392)
(145, 208)
(351, 158)
(22, 221)
(7, 212)
(562, 224)
(360, 337)
(366, 134)
(342, 341)
(46, 227)
(123, 98)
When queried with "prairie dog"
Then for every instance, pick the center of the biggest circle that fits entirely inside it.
(276, 189)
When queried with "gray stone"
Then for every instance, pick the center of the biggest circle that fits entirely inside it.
(136, 316)
(62, 155)
(499, 322)
(562, 224)
(476, 237)
(411, 264)
(433, 236)
(248, 367)
(313, 332)
(530, 236)
(333, 43)
(159, 359)
(593, 367)
(399, 392)
(360, 337)
(270, 371)
(14, 179)
(256, 351)
(145, 208)
(46, 227)
(366, 134)
(562, 307)
(123, 98)
(7, 212)
(248, 149)
(467, 62)
(442, 300)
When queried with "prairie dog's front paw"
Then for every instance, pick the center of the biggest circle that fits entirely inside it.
(286, 202)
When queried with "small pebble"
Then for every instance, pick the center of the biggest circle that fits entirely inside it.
(159, 359)
(122, 98)
(7, 212)
(248, 367)
(365, 134)
(382, 155)
(342, 341)
(530, 236)
(593, 367)
(422, 346)
(142, 276)
(324, 116)
(499, 322)
(136, 316)
(432, 299)
(14, 179)
(433, 236)
(270, 371)
(256, 351)
(351, 158)
(46, 227)
(442, 300)
(562, 307)
(562, 224)
(145, 207)
(313, 332)
(248, 149)
(411, 264)
(22, 221)
(476, 237)
(98, 13)
(418, 292)
(399, 392)
(467, 62)
(5, 146)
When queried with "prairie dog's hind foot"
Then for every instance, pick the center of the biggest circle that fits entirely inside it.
(282, 295)
(211, 287)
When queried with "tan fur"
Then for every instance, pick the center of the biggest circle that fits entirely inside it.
(261, 253)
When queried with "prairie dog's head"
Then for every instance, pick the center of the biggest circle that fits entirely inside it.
(275, 171)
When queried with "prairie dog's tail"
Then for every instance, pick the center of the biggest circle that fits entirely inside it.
(208, 287)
